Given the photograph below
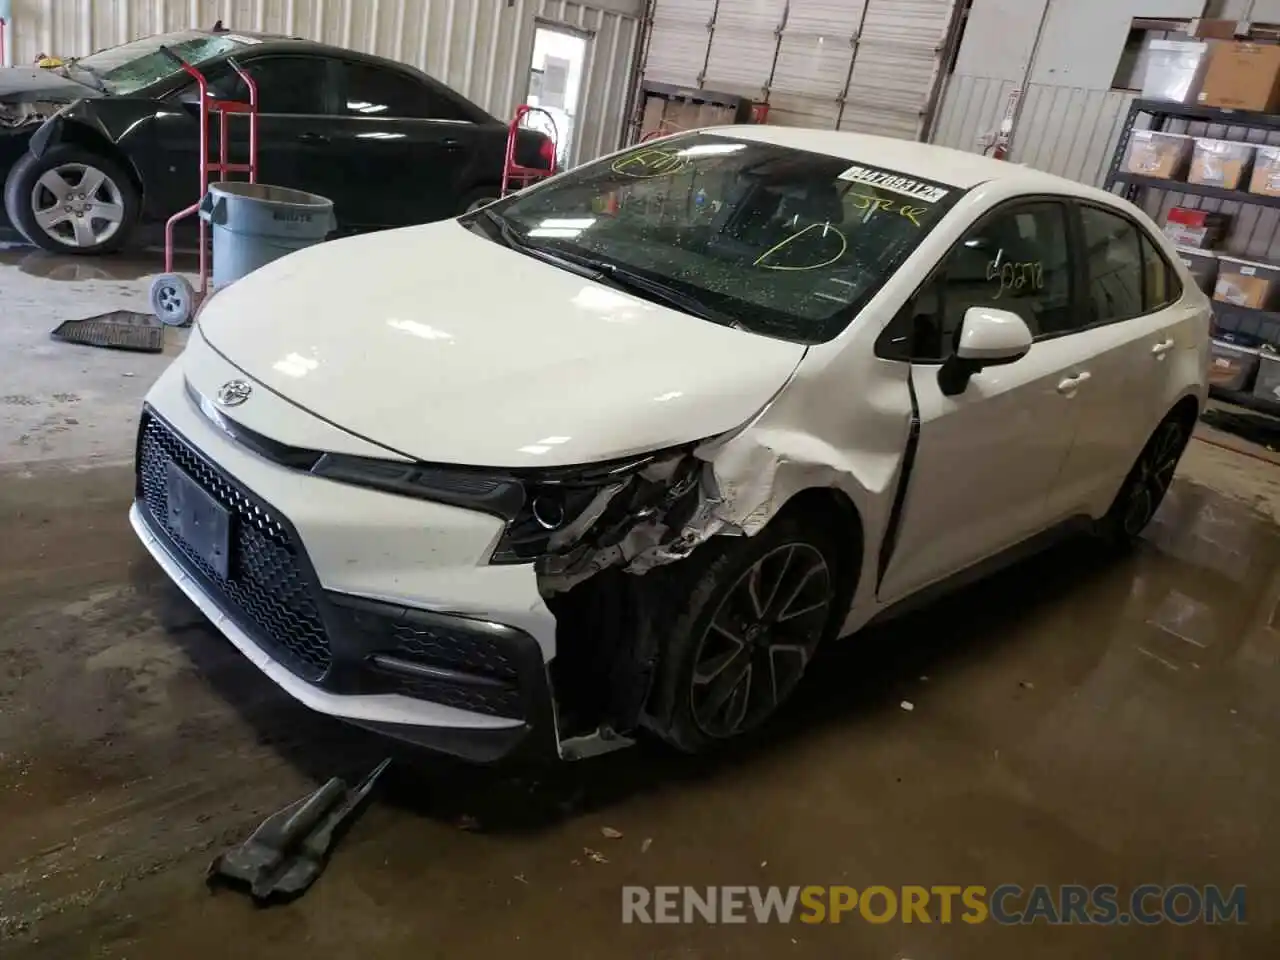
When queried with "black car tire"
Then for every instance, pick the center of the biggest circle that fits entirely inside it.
(1144, 488)
(703, 594)
(477, 198)
(117, 187)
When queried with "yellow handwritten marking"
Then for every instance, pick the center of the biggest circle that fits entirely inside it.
(1016, 277)
(651, 162)
(824, 227)
(875, 204)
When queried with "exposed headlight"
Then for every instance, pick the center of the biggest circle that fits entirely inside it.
(546, 511)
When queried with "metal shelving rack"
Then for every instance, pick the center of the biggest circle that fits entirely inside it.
(1260, 325)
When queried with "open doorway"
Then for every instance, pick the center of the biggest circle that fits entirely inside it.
(555, 82)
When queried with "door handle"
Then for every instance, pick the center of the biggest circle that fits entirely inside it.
(1161, 348)
(1069, 385)
(451, 143)
(312, 137)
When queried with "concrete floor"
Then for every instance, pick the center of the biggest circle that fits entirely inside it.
(1074, 721)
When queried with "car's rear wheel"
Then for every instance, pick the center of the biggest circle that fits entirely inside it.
(71, 200)
(1147, 483)
(748, 615)
(480, 197)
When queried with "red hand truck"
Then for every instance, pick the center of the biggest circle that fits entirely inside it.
(173, 299)
(514, 175)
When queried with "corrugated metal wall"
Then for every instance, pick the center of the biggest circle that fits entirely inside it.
(865, 65)
(482, 48)
(1064, 130)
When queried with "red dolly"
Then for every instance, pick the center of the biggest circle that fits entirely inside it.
(514, 175)
(173, 299)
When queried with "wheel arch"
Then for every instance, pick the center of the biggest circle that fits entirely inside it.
(81, 132)
(1186, 409)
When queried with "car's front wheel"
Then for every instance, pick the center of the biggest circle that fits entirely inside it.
(71, 200)
(745, 619)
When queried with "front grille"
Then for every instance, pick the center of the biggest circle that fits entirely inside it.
(268, 591)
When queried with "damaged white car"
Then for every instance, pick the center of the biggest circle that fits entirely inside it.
(620, 452)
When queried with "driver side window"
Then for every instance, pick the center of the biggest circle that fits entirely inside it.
(286, 85)
(1017, 259)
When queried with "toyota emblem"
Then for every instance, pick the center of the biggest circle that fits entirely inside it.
(233, 393)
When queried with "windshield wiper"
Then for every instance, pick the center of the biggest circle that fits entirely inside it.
(97, 82)
(507, 233)
(652, 289)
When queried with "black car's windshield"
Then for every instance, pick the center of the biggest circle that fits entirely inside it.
(786, 242)
(129, 67)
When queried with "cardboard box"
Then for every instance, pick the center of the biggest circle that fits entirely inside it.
(1175, 70)
(1210, 29)
(1220, 163)
(1231, 367)
(1154, 154)
(1245, 283)
(1242, 76)
(1199, 229)
(1203, 265)
(1266, 171)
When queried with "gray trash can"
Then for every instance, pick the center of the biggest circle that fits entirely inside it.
(254, 223)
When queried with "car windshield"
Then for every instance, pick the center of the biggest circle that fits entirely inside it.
(129, 67)
(779, 241)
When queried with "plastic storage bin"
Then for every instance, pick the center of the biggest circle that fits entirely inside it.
(1267, 386)
(1154, 154)
(1266, 171)
(1203, 266)
(1220, 163)
(1245, 283)
(1232, 367)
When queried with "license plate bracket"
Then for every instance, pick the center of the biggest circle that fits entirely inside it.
(200, 521)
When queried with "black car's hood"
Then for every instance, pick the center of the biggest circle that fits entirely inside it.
(27, 84)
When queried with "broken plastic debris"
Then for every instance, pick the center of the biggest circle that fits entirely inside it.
(611, 833)
(648, 841)
(594, 856)
(907, 705)
(1027, 685)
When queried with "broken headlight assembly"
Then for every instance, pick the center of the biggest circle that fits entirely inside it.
(552, 513)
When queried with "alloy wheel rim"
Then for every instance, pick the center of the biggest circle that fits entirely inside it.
(760, 640)
(77, 205)
(1153, 478)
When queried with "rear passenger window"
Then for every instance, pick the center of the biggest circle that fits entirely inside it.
(371, 91)
(1161, 286)
(1114, 267)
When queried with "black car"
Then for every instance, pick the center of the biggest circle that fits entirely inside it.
(106, 143)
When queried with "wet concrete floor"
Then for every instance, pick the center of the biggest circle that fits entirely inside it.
(1076, 720)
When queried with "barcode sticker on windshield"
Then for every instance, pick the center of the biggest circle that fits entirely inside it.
(883, 180)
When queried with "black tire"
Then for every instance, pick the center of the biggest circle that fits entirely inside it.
(1144, 488)
(701, 596)
(478, 197)
(117, 190)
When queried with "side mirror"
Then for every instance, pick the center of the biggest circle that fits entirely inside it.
(988, 337)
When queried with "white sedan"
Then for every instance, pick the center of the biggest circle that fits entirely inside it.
(618, 453)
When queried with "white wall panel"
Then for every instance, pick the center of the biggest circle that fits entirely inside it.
(481, 48)
(744, 43)
(679, 41)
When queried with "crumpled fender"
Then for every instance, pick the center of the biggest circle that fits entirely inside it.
(52, 131)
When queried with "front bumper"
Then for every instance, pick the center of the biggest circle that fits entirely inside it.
(429, 668)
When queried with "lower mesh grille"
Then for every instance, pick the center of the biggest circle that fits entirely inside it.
(267, 590)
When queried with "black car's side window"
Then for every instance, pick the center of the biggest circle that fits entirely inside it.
(1017, 259)
(286, 85)
(1114, 266)
(369, 91)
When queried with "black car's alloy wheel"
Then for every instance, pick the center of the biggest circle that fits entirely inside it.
(70, 200)
(760, 639)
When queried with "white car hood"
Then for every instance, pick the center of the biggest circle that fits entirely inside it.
(445, 346)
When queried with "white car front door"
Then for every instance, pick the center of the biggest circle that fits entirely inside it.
(985, 460)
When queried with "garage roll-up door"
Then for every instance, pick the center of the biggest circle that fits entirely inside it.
(866, 65)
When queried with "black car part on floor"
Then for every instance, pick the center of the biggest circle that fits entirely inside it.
(118, 330)
(286, 854)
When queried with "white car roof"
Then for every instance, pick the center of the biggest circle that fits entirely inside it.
(940, 164)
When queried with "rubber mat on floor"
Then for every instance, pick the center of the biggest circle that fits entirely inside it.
(117, 330)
